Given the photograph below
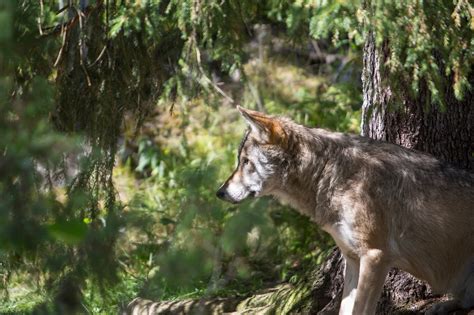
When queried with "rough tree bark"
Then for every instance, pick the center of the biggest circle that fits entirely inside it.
(447, 133)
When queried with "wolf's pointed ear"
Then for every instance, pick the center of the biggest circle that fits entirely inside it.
(269, 129)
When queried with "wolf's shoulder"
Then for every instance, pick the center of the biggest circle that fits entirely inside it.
(392, 157)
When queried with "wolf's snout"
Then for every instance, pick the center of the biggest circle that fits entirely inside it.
(221, 193)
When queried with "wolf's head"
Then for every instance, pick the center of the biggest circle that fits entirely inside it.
(261, 159)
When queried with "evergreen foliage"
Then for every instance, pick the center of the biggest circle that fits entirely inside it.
(74, 74)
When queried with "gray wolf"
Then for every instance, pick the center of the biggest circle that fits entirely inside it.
(384, 205)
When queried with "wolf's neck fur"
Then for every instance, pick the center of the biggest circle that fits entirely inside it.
(311, 176)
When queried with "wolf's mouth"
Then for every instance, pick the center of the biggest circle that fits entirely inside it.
(223, 194)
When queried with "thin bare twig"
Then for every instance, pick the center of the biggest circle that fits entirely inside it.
(53, 30)
(99, 57)
(63, 9)
(63, 44)
(81, 47)
(207, 79)
(40, 18)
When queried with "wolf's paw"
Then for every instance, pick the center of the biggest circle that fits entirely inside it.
(444, 308)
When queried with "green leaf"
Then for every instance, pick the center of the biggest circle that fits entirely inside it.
(69, 232)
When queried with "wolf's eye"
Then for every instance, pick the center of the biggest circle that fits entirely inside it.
(245, 161)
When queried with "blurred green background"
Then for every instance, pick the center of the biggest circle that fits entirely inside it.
(118, 124)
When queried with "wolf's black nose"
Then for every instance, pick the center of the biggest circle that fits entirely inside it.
(220, 194)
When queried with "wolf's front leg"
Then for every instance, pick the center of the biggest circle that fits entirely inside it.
(351, 277)
(372, 273)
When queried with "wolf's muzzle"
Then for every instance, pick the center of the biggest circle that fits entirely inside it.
(224, 195)
(221, 194)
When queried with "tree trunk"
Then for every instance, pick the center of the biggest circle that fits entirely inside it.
(447, 133)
